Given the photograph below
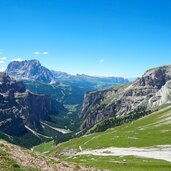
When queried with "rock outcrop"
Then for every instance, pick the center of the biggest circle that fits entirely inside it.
(19, 107)
(151, 90)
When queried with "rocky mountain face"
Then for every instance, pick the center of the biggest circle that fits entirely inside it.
(151, 90)
(32, 69)
(65, 88)
(19, 108)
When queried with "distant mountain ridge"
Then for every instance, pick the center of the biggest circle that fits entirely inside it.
(32, 69)
(64, 87)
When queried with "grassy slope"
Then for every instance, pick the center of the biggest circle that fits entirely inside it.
(151, 130)
(15, 158)
(117, 164)
(44, 147)
(145, 131)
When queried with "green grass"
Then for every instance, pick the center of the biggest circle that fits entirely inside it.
(151, 130)
(44, 147)
(144, 132)
(117, 164)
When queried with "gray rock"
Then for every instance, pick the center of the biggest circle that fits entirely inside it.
(19, 107)
(151, 90)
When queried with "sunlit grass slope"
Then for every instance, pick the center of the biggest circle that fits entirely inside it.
(151, 130)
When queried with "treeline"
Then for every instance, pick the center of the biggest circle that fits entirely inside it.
(116, 121)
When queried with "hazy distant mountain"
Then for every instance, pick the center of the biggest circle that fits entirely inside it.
(66, 88)
(32, 69)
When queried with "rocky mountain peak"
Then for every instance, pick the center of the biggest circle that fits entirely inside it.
(29, 69)
(151, 90)
(155, 77)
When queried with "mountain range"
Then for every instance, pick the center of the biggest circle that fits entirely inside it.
(33, 70)
(44, 104)
(39, 105)
(53, 100)
(66, 88)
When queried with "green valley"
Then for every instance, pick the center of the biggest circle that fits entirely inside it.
(152, 131)
(85, 85)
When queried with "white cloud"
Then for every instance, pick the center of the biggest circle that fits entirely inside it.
(36, 53)
(45, 53)
(40, 53)
(17, 59)
(3, 58)
(101, 60)
(1, 62)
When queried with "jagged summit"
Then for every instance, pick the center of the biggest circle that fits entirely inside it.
(29, 69)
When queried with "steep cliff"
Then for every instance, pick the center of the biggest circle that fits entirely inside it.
(19, 108)
(151, 90)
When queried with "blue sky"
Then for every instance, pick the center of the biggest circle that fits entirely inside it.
(95, 37)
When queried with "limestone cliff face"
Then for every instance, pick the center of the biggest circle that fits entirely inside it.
(151, 90)
(31, 69)
(163, 96)
(19, 107)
